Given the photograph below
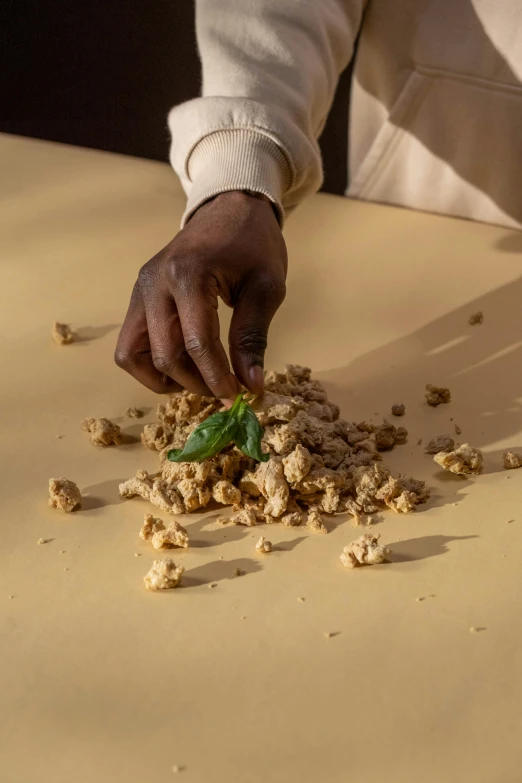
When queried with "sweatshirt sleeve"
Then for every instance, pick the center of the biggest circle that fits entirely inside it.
(270, 69)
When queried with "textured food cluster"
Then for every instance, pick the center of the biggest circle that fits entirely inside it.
(319, 463)
(103, 431)
(64, 494)
(366, 550)
(464, 461)
(62, 334)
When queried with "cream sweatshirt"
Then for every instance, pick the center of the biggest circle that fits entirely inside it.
(436, 103)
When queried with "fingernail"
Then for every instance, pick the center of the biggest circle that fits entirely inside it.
(257, 378)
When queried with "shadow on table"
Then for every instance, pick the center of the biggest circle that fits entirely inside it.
(86, 334)
(422, 548)
(220, 570)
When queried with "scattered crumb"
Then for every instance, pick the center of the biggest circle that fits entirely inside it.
(177, 768)
(398, 409)
(213, 584)
(419, 442)
(238, 572)
(476, 318)
(64, 494)
(103, 431)
(263, 546)
(58, 437)
(223, 520)
(63, 551)
(301, 599)
(133, 413)
(163, 575)
(420, 598)
(435, 395)
(137, 554)
(328, 634)
(163, 536)
(315, 521)
(244, 617)
(43, 540)
(388, 435)
(364, 551)
(438, 444)
(65, 569)
(62, 334)
(512, 459)
(464, 461)
(11, 596)
(458, 430)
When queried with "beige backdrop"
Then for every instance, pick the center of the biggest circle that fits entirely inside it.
(102, 681)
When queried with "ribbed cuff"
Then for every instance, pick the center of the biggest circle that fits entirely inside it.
(237, 159)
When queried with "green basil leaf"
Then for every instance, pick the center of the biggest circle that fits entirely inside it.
(209, 437)
(249, 433)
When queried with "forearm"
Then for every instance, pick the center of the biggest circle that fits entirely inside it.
(270, 69)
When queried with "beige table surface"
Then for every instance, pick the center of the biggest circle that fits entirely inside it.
(103, 682)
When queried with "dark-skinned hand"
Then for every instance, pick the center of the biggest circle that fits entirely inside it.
(231, 248)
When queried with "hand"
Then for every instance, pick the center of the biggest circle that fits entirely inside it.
(231, 248)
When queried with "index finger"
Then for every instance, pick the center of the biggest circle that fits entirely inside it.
(198, 315)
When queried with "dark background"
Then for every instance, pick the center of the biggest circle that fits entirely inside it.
(104, 74)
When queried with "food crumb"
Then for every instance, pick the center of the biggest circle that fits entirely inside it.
(398, 409)
(65, 569)
(244, 617)
(436, 395)
(238, 572)
(364, 551)
(301, 600)
(104, 432)
(59, 437)
(177, 768)
(63, 551)
(62, 334)
(476, 318)
(512, 460)
(213, 584)
(263, 546)
(419, 442)
(163, 575)
(419, 598)
(328, 634)
(133, 413)
(458, 430)
(223, 520)
(43, 540)
(464, 461)
(473, 629)
(64, 494)
(137, 554)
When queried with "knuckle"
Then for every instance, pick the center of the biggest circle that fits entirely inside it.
(147, 274)
(164, 363)
(197, 348)
(253, 340)
(123, 358)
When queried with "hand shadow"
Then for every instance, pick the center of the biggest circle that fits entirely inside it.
(86, 334)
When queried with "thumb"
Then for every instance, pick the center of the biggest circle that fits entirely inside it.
(253, 313)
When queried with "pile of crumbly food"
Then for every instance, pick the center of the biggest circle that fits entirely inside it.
(320, 464)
